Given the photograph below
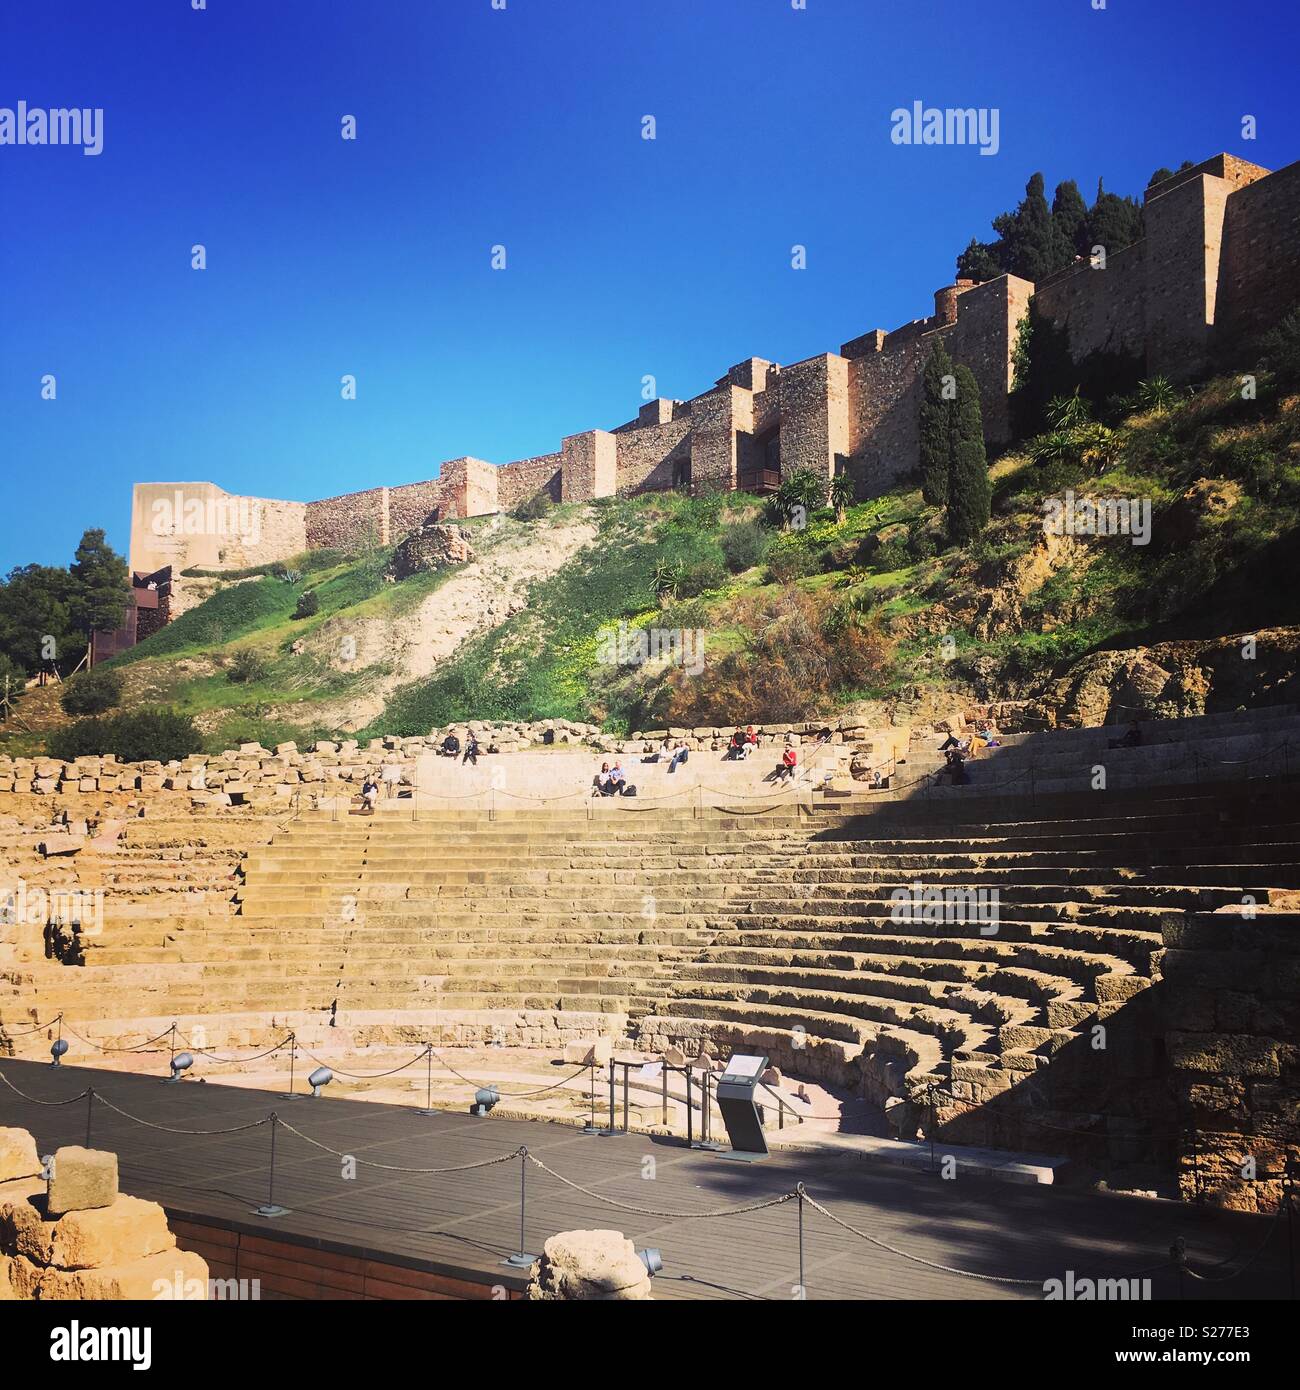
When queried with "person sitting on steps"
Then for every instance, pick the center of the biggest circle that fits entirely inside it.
(450, 746)
(600, 782)
(680, 754)
(471, 749)
(784, 770)
(369, 795)
(735, 747)
(1132, 739)
(617, 779)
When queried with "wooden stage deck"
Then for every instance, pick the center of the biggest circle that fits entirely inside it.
(385, 1233)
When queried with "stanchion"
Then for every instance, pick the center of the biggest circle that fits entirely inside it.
(802, 1287)
(90, 1105)
(1178, 1253)
(521, 1259)
(610, 1131)
(270, 1207)
(293, 1049)
(591, 1126)
(428, 1082)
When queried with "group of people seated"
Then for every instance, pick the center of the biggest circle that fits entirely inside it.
(741, 744)
(957, 751)
(450, 748)
(611, 781)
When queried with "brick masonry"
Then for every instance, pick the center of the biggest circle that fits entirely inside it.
(1219, 262)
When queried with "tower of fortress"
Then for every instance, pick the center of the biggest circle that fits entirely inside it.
(1220, 260)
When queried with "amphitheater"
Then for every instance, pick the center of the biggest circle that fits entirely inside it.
(1127, 1009)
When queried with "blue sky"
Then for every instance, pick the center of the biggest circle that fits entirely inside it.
(521, 126)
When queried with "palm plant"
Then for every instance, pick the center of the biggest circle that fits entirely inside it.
(843, 493)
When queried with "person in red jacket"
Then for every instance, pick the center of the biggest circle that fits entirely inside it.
(789, 760)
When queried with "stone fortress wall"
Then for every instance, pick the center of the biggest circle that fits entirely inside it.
(1219, 260)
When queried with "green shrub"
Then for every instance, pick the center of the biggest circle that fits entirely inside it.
(92, 692)
(141, 736)
(533, 508)
(792, 563)
(744, 545)
(246, 667)
(703, 575)
(308, 605)
(16, 674)
(232, 613)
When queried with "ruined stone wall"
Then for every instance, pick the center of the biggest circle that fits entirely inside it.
(982, 336)
(1103, 310)
(815, 423)
(590, 466)
(410, 506)
(346, 521)
(884, 402)
(1219, 260)
(716, 417)
(1259, 267)
(201, 526)
(1231, 1013)
(520, 481)
(649, 454)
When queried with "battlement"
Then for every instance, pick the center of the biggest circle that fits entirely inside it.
(1218, 261)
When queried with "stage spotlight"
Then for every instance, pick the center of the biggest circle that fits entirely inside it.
(57, 1048)
(652, 1258)
(484, 1099)
(181, 1062)
(322, 1076)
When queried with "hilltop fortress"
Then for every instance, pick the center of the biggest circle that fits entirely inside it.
(1218, 262)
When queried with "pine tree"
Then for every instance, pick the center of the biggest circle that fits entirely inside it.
(1070, 216)
(969, 490)
(979, 262)
(100, 591)
(936, 421)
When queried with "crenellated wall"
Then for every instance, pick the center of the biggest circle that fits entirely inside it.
(1220, 261)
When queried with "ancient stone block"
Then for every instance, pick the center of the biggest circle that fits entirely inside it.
(599, 1266)
(82, 1179)
(128, 1230)
(18, 1157)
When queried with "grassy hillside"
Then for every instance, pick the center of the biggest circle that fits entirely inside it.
(869, 606)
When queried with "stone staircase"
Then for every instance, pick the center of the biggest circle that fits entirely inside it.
(1026, 922)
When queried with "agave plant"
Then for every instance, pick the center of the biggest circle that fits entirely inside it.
(1056, 446)
(1158, 394)
(1068, 412)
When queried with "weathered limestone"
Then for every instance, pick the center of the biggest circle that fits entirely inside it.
(582, 1266)
(81, 1179)
(80, 1239)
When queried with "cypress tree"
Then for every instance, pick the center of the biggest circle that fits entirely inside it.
(936, 423)
(969, 490)
(1070, 216)
(1039, 247)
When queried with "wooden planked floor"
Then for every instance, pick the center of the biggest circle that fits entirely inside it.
(466, 1222)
